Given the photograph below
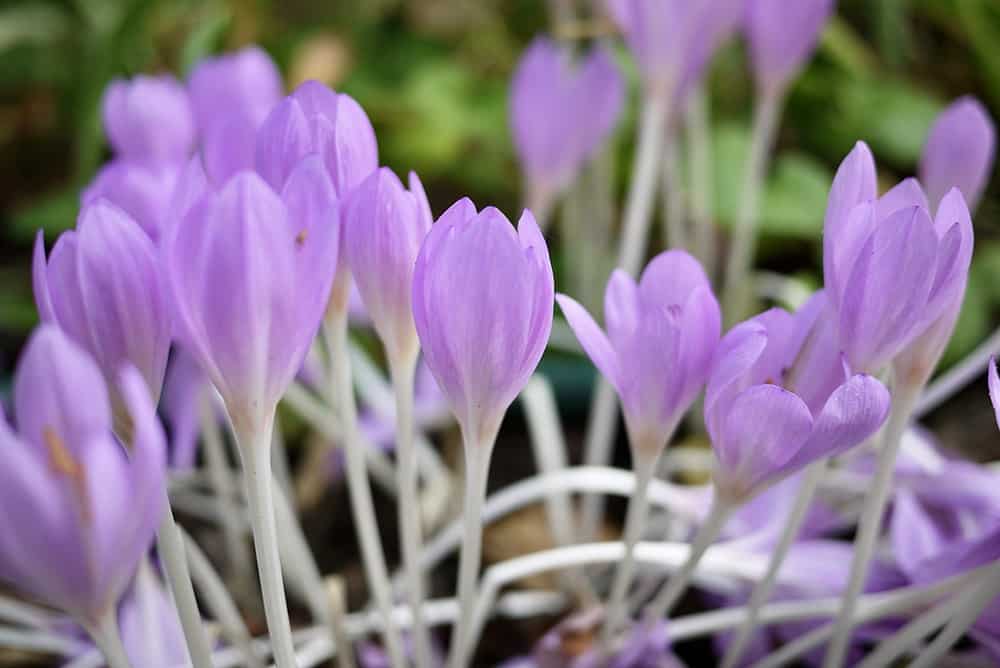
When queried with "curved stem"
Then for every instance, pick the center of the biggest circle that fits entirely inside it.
(170, 546)
(886, 653)
(871, 521)
(762, 590)
(408, 504)
(741, 251)
(108, 639)
(373, 558)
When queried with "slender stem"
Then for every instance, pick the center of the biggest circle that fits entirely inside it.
(762, 590)
(634, 241)
(958, 376)
(674, 212)
(635, 520)
(337, 602)
(871, 521)
(170, 545)
(108, 639)
(765, 124)
(255, 451)
(678, 582)
(912, 633)
(699, 144)
(373, 559)
(408, 505)
(477, 463)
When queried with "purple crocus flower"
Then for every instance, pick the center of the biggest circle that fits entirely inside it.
(890, 271)
(250, 283)
(314, 119)
(182, 391)
(551, 144)
(148, 119)
(657, 353)
(482, 305)
(762, 432)
(673, 40)
(781, 36)
(384, 225)
(141, 190)
(959, 152)
(79, 512)
(103, 286)
(148, 610)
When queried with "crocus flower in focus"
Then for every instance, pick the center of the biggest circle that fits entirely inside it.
(551, 143)
(482, 305)
(762, 432)
(959, 152)
(314, 119)
(78, 511)
(149, 119)
(782, 35)
(103, 285)
(249, 284)
(384, 226)
(657, 353)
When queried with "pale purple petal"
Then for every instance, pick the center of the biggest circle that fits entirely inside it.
(959, 152)
(591, 338)
(782, 35)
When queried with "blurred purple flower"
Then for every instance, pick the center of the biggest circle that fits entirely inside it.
(141, 190)
(148, 609)
(148, 119)
(782, 36)
(482, 305)
(551, 143)
(79, 512)
(183, 389)
(657, 353)
(959, 152)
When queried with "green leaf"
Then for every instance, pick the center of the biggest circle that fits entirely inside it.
(796, 197)
(53, 213)
(34, 24)
(203, 39)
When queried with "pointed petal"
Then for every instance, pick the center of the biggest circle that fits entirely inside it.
(595, 343)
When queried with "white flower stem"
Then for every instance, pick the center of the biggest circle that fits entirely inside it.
(678, 582)
(762, 590)
(255, 452)
(871, 521)
(635, 521)
(477, 465)
(634, 241)
(699, 144)
(408, 505)
(170, 545)
(958, 376)
(675, 233)
(373, 559)
(737, 290)
(108, 639)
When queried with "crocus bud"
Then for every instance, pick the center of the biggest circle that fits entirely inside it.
(150, 629)
(314, 119)
(103, 285)
(552, 145)
(762, 432)
(782, 35)
(78, 511)
(674, 40)
(890, 271)
(959, 152)
(141, 190)
(384, 225)
(482, 305)
(148, 119)
(657, 353)
(249, 284)
(245, 83)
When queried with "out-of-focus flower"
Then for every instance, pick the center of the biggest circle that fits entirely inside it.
(183, 389)
(150, 629)
(782, 35)
(482, 305)
(384, 226)
(141, 190)
(148, 119)
(552, 143)
(78, 511)
(959, 152)
(657, 353)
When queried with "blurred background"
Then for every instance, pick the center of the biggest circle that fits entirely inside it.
(433, 76)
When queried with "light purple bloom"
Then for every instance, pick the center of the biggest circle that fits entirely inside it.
(183, 390)
(148, 609)
(250, 282)
(762, 432)
(482, 305)
(245, 83)
(141, 190)
(657, 353)
(314, 119)
(148, 119)
(782, 35)
(890, 271)
(384, 226)
(552, 142)
(103, 285)
(673, 40)
(959, 152)
(78, 511)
